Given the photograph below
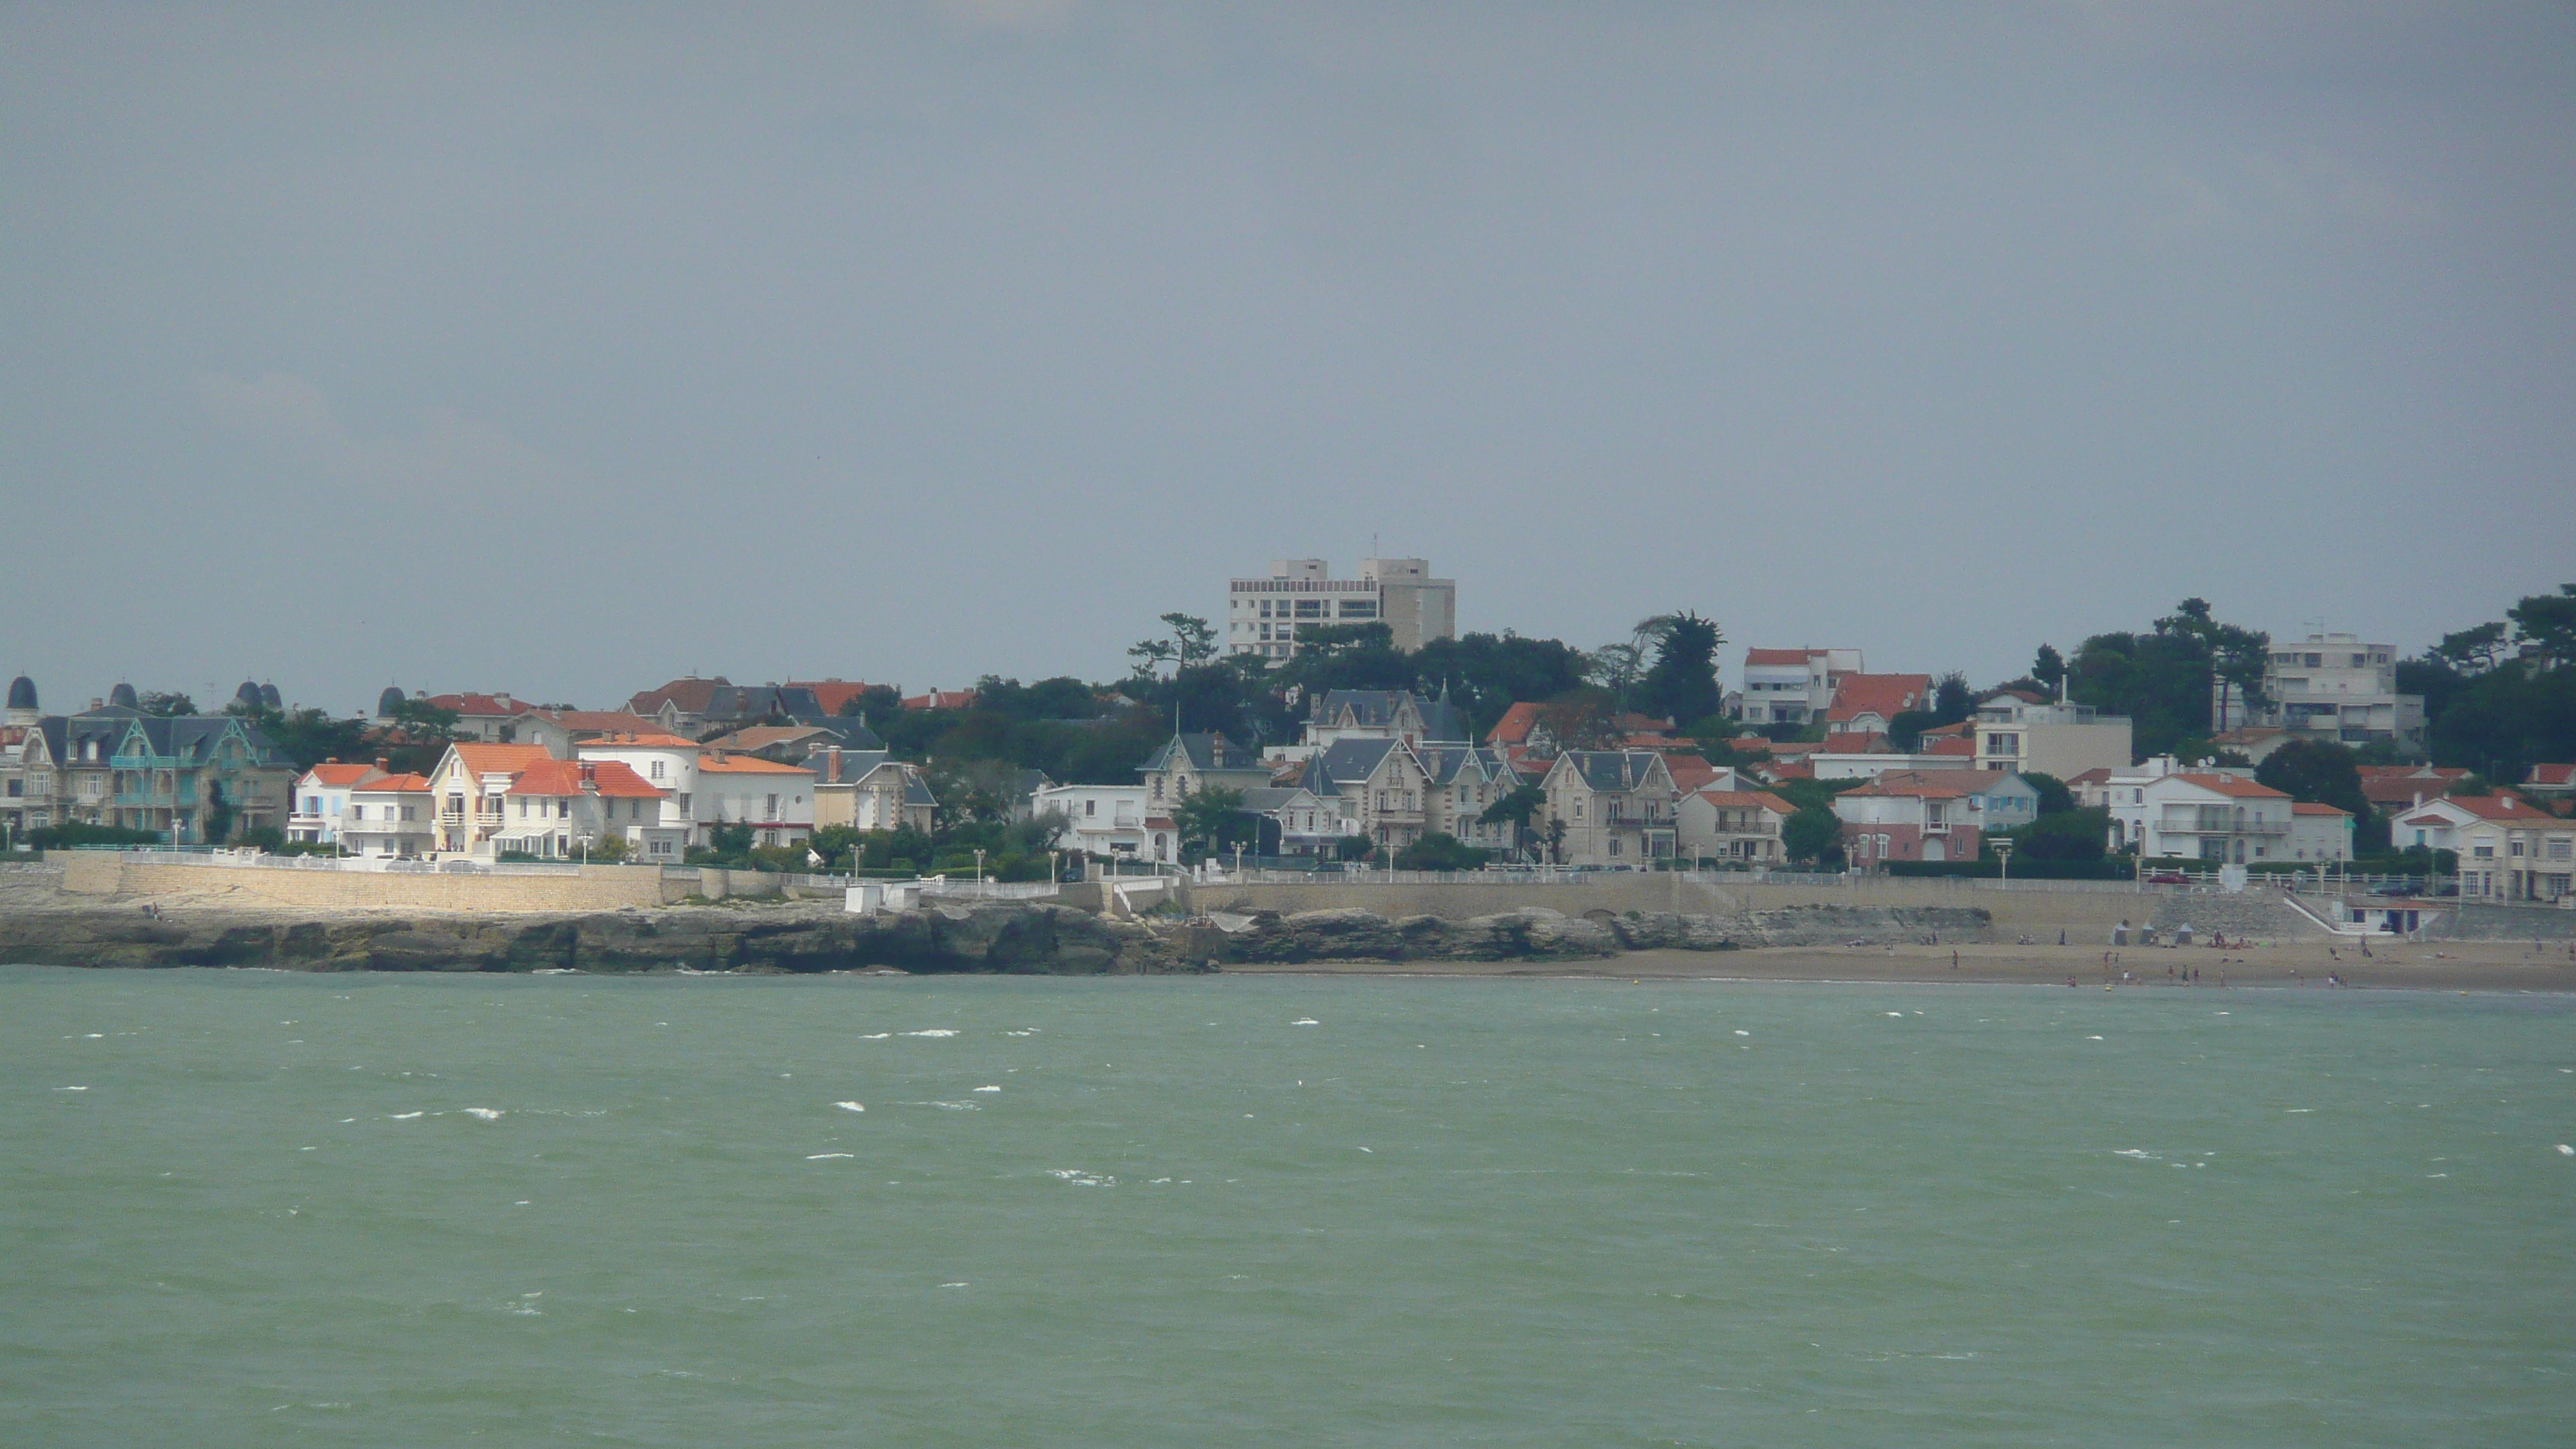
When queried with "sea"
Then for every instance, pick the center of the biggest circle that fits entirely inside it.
(260, 1208)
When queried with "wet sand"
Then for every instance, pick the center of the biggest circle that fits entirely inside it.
(2432, 966)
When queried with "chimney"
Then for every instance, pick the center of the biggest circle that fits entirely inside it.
(832, 766)
(589, 775)
(385, 764)
(717, 756)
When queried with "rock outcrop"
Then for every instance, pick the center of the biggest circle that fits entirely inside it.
(1037, 937)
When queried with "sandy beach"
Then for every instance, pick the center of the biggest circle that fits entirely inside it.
(2430, 966)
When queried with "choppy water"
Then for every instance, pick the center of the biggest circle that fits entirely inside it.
(288, 1210)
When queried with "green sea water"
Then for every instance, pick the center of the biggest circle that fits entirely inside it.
(288, 1209)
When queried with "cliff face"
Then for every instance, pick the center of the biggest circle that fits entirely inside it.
(994, 937)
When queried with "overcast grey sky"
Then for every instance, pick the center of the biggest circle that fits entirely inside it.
(562, 349)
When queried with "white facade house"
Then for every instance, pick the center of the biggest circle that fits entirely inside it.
(1293, 821)
(1931, 815)
(2060, 740)
(1792, 686)
(2509, 849)
(775, 800)
(563, 809)
(666, 762)
(2213, 815)
(321, 801)
(1102, 820)
(1263, 616)
(1734, 825)
(389, 815)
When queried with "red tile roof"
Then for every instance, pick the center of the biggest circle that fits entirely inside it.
(746, 765)
(336, 775)
(2551, 777)
(831, 694)
(2231, 786)
(2310, 807)
(564, 777)
(1959, 745)
(2501, 808)
(1747, 800)
(485, 759)
(1515, 725)
(1885, 695)
(1689, 772)
(1759, 658)
(942, 699)
(2395, 787)
(396, 784)
(1854, 742)
(639, 740)
(480, 703)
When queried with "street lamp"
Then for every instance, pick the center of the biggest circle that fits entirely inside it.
(2003, 854)
(979, 869)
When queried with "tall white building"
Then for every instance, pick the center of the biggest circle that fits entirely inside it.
(2338, 687)
(1264, 616)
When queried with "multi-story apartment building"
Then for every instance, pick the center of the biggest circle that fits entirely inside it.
(1792, 686)
(2024, 736)
(2337, 687)
(1263, 616)
(389, 815)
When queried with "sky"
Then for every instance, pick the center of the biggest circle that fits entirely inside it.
(565, 349)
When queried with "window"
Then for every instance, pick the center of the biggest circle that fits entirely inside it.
(1090, 807)
(772, 812)
(1310, 608)
(407, 812)
(2484, 852)
(1359, 608)
(657, 769)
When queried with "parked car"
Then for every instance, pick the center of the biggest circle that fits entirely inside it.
(2168, 877)
(2395, 888)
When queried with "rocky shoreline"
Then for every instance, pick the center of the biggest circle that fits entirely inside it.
(1023, 937)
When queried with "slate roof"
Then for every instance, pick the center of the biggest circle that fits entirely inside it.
(1351, 761)
(1612, 769)
(1442, 763)
(1377, 709)
(690, 696)
(1201, 752)
(22, 693)
(1269, 799)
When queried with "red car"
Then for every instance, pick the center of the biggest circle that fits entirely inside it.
(2168, 877)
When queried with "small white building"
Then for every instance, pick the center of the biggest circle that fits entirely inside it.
(1105, 820)
(666, 762)
(322, 800)
(1792, 686)
(2024, 736)
(2319, 832)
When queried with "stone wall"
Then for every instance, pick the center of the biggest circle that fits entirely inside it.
(594, 888)
(2488, 921)
(2085, 915)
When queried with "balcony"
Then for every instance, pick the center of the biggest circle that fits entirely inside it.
(143, 799)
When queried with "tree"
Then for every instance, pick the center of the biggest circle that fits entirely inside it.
(876, 702)
(1952, 699)
(2163, 680)
(1581, 720)
(1813, 834)
(1215, 819)
(2049, 667)
(2473, 651)
(2547, 623)
(1440, 850)
(1354, 847)
(308, 736)
(1192, 641)
(167, 704)
(1682, 685)
(2318, 772)
(1554, 835)
(2054, 797)
(2062, 835)
(1614, 668)
(1515, 808)
(1905, 731)
(217, 822)
(1486, 674)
